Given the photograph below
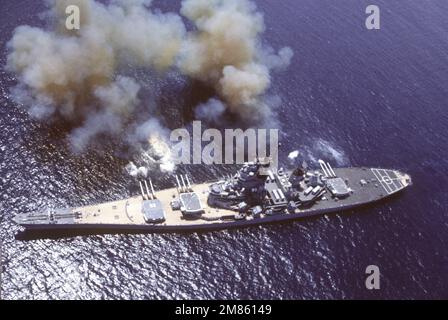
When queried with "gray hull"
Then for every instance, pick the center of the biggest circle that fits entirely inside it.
(368, 186)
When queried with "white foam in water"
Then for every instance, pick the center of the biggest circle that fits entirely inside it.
(293, 155)
(328, 150)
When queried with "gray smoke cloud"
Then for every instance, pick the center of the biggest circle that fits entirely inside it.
(118, 101)
(211, 111)
(75, 75)
(225, 50)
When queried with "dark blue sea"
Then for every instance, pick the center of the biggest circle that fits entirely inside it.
(356, 97)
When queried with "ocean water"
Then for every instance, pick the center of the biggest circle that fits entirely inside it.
(357, 97)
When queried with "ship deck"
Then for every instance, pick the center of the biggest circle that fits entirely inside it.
(129, 211)
(368, 185)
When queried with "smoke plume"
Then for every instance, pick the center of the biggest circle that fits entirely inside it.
(77, 74)
(225, 50)
(210, 111)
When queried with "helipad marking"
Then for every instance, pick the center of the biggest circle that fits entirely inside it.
(388, 179)
(380, 178)
(400, 185)
(385, 178)
(394, 180)
(391, 179)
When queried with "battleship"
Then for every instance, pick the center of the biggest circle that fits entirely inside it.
(257, 194)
